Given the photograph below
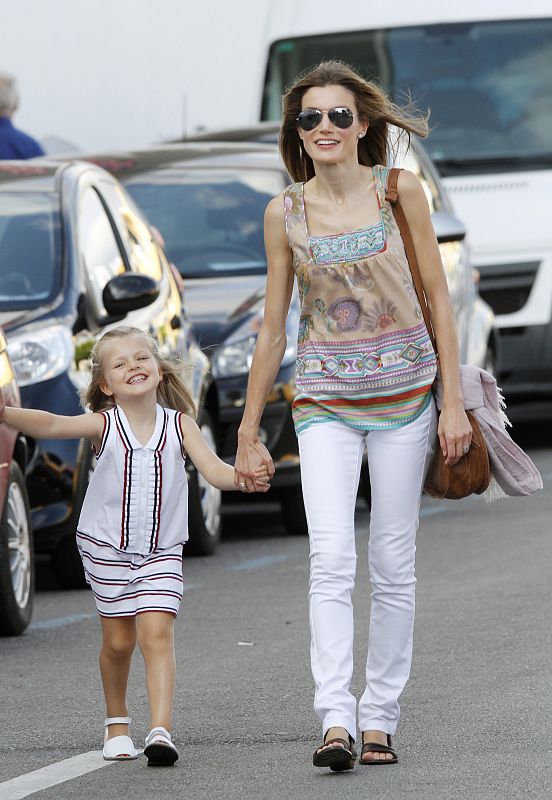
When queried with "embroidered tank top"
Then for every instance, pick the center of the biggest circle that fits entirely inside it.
(364, 356)
(137, 498)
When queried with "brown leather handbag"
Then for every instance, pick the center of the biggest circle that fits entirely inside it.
(471, 474)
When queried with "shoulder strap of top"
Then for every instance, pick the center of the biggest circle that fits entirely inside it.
(294, 216)
(107, 423)
(392, 196)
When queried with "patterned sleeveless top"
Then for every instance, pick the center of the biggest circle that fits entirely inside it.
(364, 355)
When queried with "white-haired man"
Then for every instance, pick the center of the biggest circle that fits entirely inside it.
(13, 142)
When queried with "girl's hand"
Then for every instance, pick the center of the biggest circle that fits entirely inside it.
(262, 479)
(251, 456)
(455, 433)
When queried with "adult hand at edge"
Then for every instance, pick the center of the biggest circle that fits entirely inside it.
(455, 433)
(251, 454)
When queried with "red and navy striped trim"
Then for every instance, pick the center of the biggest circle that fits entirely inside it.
(127, 481)
(178, 426)
(105, 434)
(158, 485)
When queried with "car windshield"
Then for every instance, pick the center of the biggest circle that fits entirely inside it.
(487, 84)
(30, 259)
(211, 220)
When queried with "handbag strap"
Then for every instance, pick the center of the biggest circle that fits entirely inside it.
(392, 196)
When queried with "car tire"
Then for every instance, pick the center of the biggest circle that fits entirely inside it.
(16, 557)
(293, 511)
(66, 560)
(204, 503)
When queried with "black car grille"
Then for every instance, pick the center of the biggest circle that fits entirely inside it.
(506, 287)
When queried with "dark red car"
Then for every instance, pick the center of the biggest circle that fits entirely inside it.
(16, 545)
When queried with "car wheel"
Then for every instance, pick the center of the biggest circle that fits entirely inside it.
(66, 561)
(293, 511)
(16, 557)
(204, 503)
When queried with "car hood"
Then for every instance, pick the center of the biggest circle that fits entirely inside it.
(504, 213)
(217, 306)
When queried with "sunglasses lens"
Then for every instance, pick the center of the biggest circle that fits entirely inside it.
(309, 119)
(341, 117)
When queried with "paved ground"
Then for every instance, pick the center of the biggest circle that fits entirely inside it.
(475, 715)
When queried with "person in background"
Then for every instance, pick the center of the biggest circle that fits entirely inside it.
(13, 142)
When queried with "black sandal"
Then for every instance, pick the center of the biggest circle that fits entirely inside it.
(340, 757)
(374, 747)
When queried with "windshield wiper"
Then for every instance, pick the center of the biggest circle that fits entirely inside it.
(451, 166)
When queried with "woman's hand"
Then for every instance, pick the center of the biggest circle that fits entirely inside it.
(455, 432)
(252, 459)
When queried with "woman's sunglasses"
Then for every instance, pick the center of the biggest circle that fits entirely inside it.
(310, 118)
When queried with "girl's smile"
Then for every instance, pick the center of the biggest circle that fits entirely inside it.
(130, 369)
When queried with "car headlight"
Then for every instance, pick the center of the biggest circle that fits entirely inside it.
(40, 354)
(234, 357)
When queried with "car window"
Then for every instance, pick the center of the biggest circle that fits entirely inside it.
(98, 247)
(142, 251)
(211, 220)
(30, 252)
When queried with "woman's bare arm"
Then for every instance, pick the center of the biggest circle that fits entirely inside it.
(454, 426)
(271, 345)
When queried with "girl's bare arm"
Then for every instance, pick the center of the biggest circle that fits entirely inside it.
(213, 469)
(43, 425)
(454, 426)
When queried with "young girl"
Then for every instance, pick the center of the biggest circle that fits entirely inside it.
(134, 519)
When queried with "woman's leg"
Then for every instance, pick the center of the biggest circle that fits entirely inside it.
(331, 455)
(118, 643)
(397, 461)
(156, 642)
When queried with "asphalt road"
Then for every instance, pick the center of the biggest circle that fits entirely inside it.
(475, 715)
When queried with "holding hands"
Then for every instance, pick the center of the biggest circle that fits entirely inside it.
(253, 468)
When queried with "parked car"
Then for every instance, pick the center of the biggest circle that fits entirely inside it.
(76, 257)
(207, 199)
(16, 538)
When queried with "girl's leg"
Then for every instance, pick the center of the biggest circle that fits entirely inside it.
(156, 642)
(118, 643)
(397, 461)
(331, 455)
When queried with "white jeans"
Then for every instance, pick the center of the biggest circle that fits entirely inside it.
(331, 455)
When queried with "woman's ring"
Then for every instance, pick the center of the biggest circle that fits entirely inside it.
(241, 483)
(466, 449)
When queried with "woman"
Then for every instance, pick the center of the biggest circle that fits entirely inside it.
(365, 367)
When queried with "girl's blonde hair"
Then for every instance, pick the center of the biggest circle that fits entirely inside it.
(171, 391)
(373, 106)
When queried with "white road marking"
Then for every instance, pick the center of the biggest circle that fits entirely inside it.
(62, 771)
(58, 622)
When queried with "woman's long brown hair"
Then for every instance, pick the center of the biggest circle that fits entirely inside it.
(373, 106)
(171, 391)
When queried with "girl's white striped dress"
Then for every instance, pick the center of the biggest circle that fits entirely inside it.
(134, 519)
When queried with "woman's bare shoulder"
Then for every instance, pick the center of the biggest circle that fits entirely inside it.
(275, 208)
(409, 185)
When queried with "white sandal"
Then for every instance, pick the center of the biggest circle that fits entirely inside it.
(119, 748)
(159, 748)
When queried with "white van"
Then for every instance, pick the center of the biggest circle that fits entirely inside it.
(486, 73)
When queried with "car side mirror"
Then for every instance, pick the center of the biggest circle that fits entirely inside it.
(128, 292)
(448, 228)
